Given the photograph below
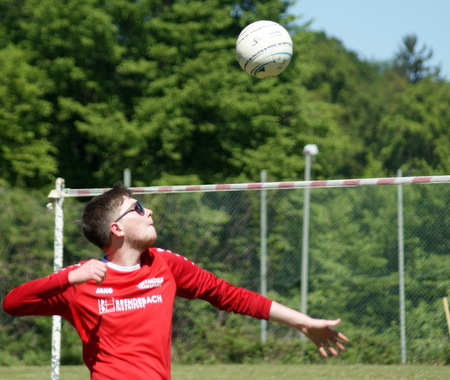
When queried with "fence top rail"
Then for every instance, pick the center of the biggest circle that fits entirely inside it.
(67, 192)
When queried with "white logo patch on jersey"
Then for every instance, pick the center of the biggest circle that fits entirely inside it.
(109, 305)
(151, 283)
(106, 305)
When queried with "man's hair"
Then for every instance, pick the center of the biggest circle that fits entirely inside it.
(100, 212)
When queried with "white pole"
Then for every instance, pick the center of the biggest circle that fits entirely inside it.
(401, 260)
(127, 177)
(57, 265)
(309, 151)
(305, 239)
(263, 264)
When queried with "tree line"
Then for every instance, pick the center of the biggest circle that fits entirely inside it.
(89, 88)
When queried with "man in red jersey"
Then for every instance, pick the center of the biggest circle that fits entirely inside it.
(121, 305)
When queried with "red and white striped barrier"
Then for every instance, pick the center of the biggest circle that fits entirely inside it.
(67, 192)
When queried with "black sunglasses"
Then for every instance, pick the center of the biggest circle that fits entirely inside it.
(136, 207)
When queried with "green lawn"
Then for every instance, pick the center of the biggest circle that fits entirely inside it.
(250, 371)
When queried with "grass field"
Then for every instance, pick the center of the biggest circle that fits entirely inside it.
(253, 371)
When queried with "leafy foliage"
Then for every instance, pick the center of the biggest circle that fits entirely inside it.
(94, 87)
(26, 154)
(412, 63)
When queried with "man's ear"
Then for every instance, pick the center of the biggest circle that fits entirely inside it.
(116, 229)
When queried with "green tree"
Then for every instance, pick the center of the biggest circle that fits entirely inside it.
(335, 75)
(401, 123)
(155, 86)
(110, 60)
(74, 42)
(413, 134)
(412, 64)
(27, 157)
(25, 253)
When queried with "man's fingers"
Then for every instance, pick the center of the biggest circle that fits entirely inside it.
(93, 270)
(330, 323)
(332, 350)
(101, 275)
(341, 336)
(337, 343)
(322, 351)
(100, 272)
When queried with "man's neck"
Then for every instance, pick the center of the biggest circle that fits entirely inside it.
(128, 258)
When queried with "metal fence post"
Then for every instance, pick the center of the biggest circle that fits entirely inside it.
(58, 197)
(401, 260)
(309, 151)
(263, 264)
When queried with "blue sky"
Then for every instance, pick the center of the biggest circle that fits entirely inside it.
(375, 28)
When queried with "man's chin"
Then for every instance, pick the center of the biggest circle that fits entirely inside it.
(145, 244)
(151, 244)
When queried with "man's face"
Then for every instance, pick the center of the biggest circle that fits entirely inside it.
(137, 223)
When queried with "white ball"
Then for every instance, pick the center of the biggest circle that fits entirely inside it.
(264, 49)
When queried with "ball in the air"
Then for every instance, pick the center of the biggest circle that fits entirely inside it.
(264, 49)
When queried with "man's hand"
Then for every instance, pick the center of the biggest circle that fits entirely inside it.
(319, 331)
(92, 270)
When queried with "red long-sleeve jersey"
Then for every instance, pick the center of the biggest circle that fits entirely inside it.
(125, 323)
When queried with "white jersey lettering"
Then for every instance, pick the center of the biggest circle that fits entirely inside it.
(114, 305)
(104, 291)
(151, 283)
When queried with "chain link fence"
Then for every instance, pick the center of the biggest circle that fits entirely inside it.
(353, 271)
(354, 264)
